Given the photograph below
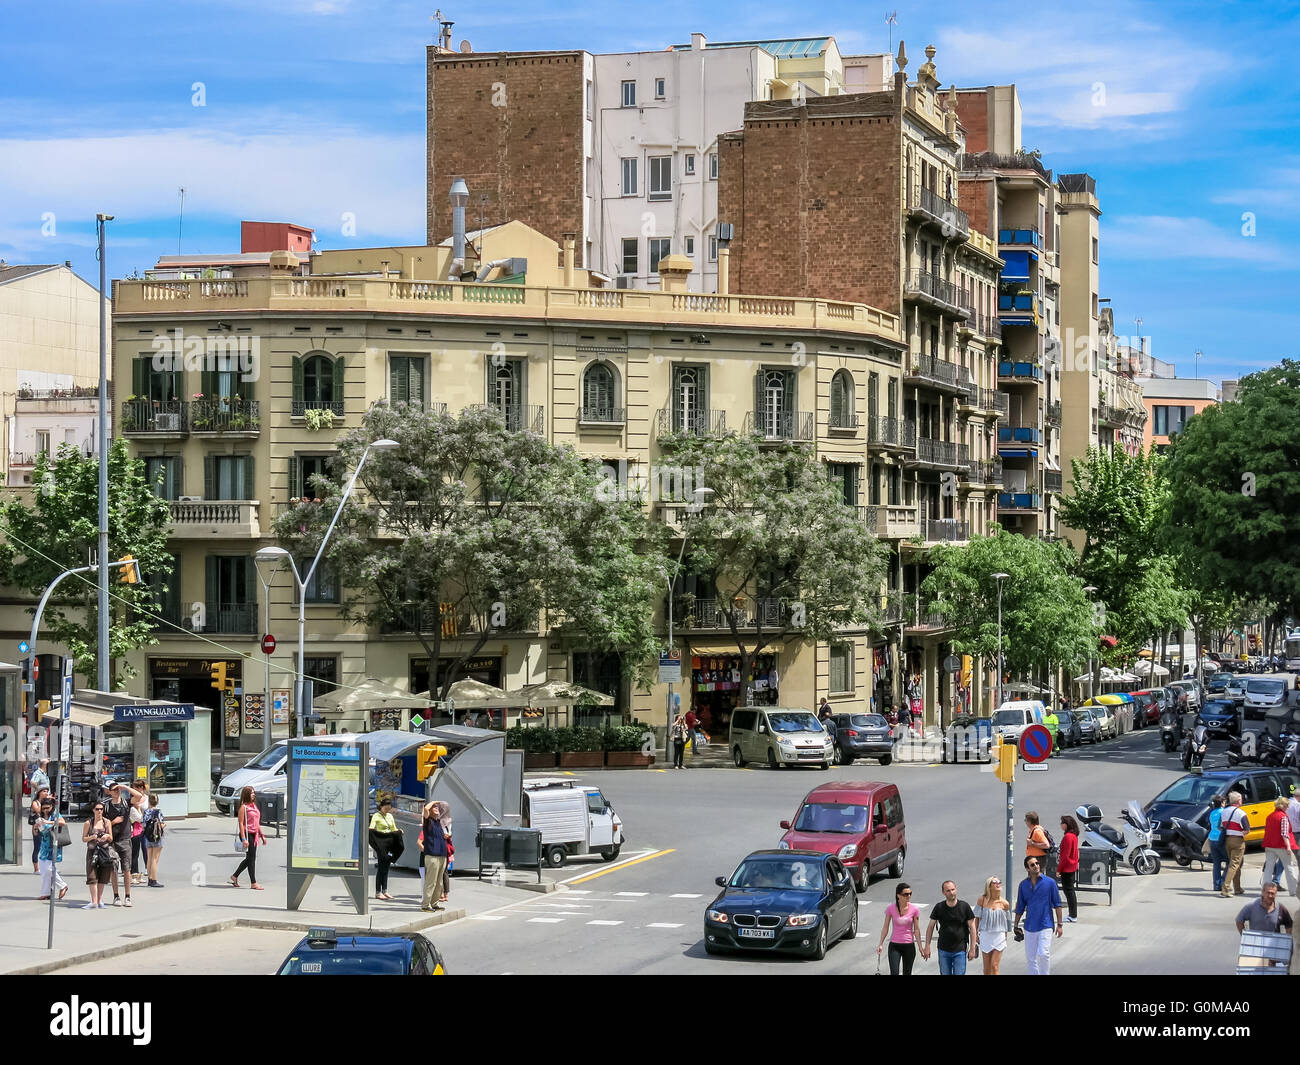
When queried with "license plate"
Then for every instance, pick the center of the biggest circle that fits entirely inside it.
(756, 933)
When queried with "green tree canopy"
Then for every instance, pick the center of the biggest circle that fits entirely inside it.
(59, 530)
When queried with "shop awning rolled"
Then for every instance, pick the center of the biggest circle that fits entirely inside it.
(713, 647)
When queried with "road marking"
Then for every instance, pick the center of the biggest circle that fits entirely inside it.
(686, 895)
(633, 894)
(578, 878)
(660, 924)
(546, 920)
(487, 917)
(622, 865)
(605, 922)
(579, 891)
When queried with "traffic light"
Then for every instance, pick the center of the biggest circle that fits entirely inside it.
(1005, 756)
(130, 573)
(427, 759)
(219, 680)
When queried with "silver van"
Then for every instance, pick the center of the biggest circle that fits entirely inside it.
(779, 736)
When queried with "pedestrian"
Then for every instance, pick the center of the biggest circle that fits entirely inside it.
(1264, 914)
(1235, 826)
(434, 856)
(1218, 852)
(905, 920)
(386, 841)
(692, 728)
(956, 923)
(992, 922)
(1053, 724)
(1067, 865)
(824, 710)
(678, 734)
(97, 835)
(119, 814)
(1036, 898)
(250, 835)
(891, 715)
(444, 819)
(138, 807)
(1278, 845)
(40, 776)
(1038, 843)
(50, 853)
(154, 827)
(39, 796)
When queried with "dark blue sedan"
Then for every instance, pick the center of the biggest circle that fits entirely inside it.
(1220, 718)
(783, 900)
(325, 952)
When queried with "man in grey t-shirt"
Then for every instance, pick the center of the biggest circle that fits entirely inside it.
(1264, 914)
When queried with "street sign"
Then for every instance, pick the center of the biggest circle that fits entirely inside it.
(1036, 743)
(268, 644)
(24, 647)
(670, 666)
(1035, 767)
(154, 712)
(36, 669)
(417, 722)
(952, 663)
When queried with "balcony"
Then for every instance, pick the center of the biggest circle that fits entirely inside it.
(982, 472)
(931, 207)
(610, 417)
(933, 453)
(776, 427)
(1052, 415)
(692, 422)
(1052, 482)
(944, 531)
(162, 419)
(1020, 434)
(426, 618)
(1020, 373)
(236, 417)
(1021, 237)
(298, 408)
(990, 326)
(930, 371)
(994, 402)
(843, 423)
(236, 620)
(204, 519)
(1020, 501)
(891, 434)
(928, 288)
(913, 618)
(968, 398)
(692, 613)
(1111, 415)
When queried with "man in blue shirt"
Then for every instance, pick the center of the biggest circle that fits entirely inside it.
(1037, 897)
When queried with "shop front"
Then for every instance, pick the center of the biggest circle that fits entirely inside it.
(718, 686)
(189, 680)
(485, 670)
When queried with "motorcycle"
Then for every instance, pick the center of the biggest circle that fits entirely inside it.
(1171, 730)
(1189, 840)
(1131, 842)
(1195, 746)
(1265, 749)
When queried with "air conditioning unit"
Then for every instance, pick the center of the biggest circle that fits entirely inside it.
(189, 499)
(167, 423)
(623, 282)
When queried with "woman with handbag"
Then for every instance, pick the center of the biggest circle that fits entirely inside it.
(97, 835)
(386, 842)
(136, 817)
(51, 852)
(33, 815)
(154, 827)
(250, 835)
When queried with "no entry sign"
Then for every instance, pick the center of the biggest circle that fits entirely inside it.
(268, 644)
(1036, 743)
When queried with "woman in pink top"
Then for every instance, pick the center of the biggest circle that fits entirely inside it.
(250, 834)
(906, 922)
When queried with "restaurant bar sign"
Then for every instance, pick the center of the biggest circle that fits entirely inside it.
(155, 712)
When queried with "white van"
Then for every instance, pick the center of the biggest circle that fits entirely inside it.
(573, 818)
(1011, 719)
(779, 736)
(265, 772)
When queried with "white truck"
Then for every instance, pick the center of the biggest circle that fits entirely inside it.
(573, 818)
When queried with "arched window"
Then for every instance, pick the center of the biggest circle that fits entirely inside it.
(842, 401)
(317, 383)
(600, 394)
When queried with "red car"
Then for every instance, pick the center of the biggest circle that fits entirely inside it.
(1147, 706)
(860, 822)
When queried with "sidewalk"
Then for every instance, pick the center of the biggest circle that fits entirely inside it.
(195, 867)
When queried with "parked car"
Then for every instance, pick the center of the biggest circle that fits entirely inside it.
(1189, 797)
(323, 952)
(1220, 717)
(1216, 684)
(779, 736)
(1263, 696)
(1089, 729)
(968, 739)
(1147, 705)
(1068, 730)
(862, 736)
(1105, 717)
(265, 772)
(796, 900)
(860, 822)
(1235, 690)
(1192, 690)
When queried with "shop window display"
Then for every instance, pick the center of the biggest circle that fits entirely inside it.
(717, 687)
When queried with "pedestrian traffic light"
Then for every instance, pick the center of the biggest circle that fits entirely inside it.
(427, 759)
(1006, 758)
(131, 571)
(219, 676)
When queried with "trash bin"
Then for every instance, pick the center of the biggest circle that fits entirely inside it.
(271, 807)
(509, 848)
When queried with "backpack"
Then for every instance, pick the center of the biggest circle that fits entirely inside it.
(153, 827)
(1051, 843)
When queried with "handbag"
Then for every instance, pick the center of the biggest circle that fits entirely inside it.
(240, 844)
(62, 837)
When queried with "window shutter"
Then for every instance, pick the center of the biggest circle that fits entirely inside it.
(789, 393)
(415, 383)
(208, 384)
(702, 392)
(178, 479)
(209, 477)
(294, 489)
(758, 394)
(140, 377)
(250, 589)
(250, 488)
(837, 400)
(297, 379)
(212, 598)
(398, 382)
(338, 380)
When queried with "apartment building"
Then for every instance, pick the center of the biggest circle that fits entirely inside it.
(1170, 402)
(619, 150)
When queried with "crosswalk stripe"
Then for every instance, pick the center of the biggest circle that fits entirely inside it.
(605, 922)
(546, 920)
(685, 895)
(487, 916)
(662, 924)
(632, 894)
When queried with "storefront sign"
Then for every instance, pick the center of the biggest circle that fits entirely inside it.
(281, 702)
(254, 711)
(670, 666)
(156, 712)
(230, 707)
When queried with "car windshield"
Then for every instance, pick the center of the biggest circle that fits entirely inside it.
(1085, 716)
(782, 874)
(1007, 717)
(792, 722)
(1219, 707)
(1063, 717)
(831, 817)
(1265, 687)
(268, 759)
(1190, 789)
(868, 721)
(344, 963)
(1221, 676)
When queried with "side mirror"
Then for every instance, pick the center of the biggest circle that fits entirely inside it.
(762, 729)
(721, 881)
(785, 824)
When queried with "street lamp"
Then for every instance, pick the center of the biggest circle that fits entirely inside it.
(699, 496)
(277, 555)
(268, 561)
(1000, 577)
(1089, 589)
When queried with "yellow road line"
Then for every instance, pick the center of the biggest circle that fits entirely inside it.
(621, 866)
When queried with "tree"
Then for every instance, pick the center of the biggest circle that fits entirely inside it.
(59, 530)
(1046, 615)
(773, 541)
(469, 530)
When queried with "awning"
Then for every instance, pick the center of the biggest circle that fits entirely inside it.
(713, 647)
(83, 715)
(1052, 464)
(1017, 453)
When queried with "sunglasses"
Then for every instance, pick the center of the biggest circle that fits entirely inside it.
(904, 892)
(998, 882)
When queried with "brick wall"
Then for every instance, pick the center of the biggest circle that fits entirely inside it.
(816, 198)
(511, 126)
(978, 198)
(973, 114)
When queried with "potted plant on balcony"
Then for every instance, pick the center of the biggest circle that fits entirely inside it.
(318, 418)
(625, 745)
(580, 747)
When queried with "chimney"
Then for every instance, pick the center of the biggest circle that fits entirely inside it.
(673, 272)
(698, 42)
(724, 271)
(568, 262)
(459, 198)
(283, 262)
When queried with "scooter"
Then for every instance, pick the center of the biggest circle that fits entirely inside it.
(1189, 841)
(1265, 749)
(1195, 746)
(1171, 730)
(1131, 842)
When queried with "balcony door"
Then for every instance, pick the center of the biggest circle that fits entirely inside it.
(690, 398)
(774, 402)
(231, 593)
(162, 386)
(506, 391)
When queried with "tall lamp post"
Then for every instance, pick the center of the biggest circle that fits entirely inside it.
(274, 556)
(1089, 589)
(701, 493)
(1000, 577)
(101, 662)
(1011, 790)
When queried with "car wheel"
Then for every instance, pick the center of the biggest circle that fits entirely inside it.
(772, 763)
(837, 756)
(555, 856)
(847, 759)
(610, 853)
(709, 948)
(885, 759)
(1183, 860)
(852, 932)
(819, 948)
(825, 766)
(738, 758)
(896, 870)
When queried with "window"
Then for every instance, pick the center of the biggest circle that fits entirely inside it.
(164, 476)
(629, 177)
(506, 392)
(168, 768)
(688, 164)
(629, 255)
(167, 594)
(228, 477)
(841, 679)
(842, 405)
(690, 247)
(406, 379)
(690, 399)
(875, 484)
(629, 94)
(661, 177)
(713, 248)
(845, 475)
(600, 394)
(774, 404)
(713, 166)
(42, 441)
(317, 384)
(322, 671)
(323, 586)
(1170, 420)
(231, 598)
(1094, 305)
(1094, 249)
(660, 248)
(661, 84)
(303, 471)
(591, 99)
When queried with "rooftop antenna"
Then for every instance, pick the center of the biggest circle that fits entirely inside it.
(180, 222)
(891, 19)
(444, 32)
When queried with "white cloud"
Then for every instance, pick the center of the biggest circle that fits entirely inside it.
(1170, 237)
(1279, 189)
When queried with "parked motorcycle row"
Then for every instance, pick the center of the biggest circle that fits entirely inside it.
(1129, 840)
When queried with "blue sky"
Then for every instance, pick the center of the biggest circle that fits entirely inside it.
(314, 108)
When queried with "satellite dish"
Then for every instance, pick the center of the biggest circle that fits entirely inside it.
(466, 47)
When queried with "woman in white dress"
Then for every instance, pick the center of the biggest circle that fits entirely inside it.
(992, 922)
